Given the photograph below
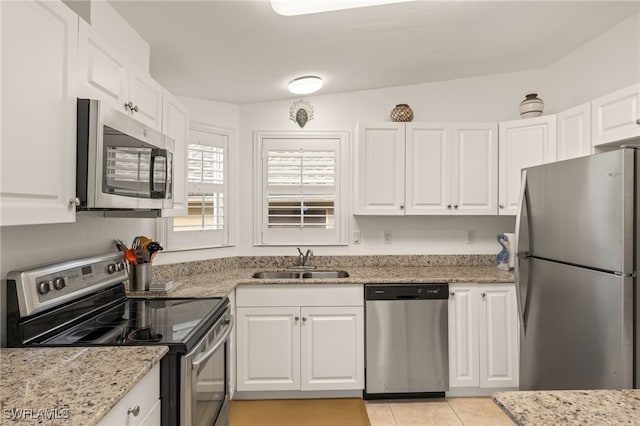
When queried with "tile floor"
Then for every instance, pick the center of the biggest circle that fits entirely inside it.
(437, 412)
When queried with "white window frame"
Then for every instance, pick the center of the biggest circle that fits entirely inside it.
(264, 236)
(202, 239)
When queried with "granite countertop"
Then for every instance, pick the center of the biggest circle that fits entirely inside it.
(72, 386)
(580, 407)
(221, 283)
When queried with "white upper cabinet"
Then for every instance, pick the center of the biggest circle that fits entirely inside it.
(522, 143)
(175, 124)
(616, 117)
(574, 132)
(379, 176)
(39, 90)
(426, 169)
(107, 75)
(474, 169)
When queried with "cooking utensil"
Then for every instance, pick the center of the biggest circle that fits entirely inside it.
(131, 257)
(120, 245)
(153, 247)
(144, 242)
(143, 256)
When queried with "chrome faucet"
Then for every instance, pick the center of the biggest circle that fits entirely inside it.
(304, 258)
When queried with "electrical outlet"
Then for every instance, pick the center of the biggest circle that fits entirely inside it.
(471, 236)
(387, 237)
(356, 237)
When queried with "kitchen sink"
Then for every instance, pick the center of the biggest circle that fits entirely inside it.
(325, 274)
(275, 275)
(269, 275)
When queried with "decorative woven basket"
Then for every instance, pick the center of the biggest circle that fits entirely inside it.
(401, 113)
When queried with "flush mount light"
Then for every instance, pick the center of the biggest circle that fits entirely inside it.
(305, 85)
(305, 7)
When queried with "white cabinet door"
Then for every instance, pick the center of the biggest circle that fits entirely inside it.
(175, 124)
(616, 117)
(574, 132)
(146, 95)
(522, 144)
(39, 91)
(474, 169)
(463, 336)
(332, 348)
(428, 168)
(103, 69)
(379, 176)
(268, 347)
(498, 336)
(106, 74)
(146, 396)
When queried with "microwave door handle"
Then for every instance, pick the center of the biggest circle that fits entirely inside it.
(198, 362)
(156, 152)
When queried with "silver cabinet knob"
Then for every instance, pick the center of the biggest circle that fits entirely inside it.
(128, 105)
(455, 206)
(453, 293)
(296, 318)
(401, 206)
(135, 108)
(638, 121)
(448, 206)
(501, 206)
(135, 411)
(483, 294)
(74, 202)
(304, 318)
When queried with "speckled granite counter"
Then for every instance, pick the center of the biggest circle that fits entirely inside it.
(198, 279)
(590, 407)
(81, 384)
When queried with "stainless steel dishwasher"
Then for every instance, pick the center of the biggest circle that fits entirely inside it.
(407, 348)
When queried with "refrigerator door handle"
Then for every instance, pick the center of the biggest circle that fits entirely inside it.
(522, 282)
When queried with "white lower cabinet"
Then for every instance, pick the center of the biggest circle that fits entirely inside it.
(141, 406)
(483, 337)
(313, 341)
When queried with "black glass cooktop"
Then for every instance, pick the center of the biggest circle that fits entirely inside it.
(145, 321)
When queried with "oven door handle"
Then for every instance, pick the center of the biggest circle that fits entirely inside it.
(195, 364)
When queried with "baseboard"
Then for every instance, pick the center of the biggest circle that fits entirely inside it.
(470, 392)
(247, 395)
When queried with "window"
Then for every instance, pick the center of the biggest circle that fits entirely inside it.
(207, 187)
(301, 188)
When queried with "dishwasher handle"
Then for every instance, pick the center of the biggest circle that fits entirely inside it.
(403, 291)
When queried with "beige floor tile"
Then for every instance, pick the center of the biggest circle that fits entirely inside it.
(478, 412)
(436, 413)
(380, 414)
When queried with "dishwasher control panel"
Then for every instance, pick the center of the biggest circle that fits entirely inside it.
(406, 291)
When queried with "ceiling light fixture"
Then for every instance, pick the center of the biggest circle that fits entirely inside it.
(304, 7)
(305, 85)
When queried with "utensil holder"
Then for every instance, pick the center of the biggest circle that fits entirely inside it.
(140, 276)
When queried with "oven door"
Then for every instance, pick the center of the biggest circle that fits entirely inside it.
(205, 374)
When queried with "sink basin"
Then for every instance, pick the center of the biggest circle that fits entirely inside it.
(279, 275)
(325, 274)
(271, 275)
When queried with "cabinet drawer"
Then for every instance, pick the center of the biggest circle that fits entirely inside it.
(300, 295)
(144, 395)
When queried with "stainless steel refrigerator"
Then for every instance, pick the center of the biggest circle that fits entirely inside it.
(576, 265)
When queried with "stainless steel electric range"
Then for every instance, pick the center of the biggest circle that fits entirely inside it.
(82, 302)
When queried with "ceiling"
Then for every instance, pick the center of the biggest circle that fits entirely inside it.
(242, 52)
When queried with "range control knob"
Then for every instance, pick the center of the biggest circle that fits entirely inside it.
(111, 268)
(44, 287)
(120, 266)
(59, 283)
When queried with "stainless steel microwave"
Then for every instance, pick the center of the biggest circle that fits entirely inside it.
(121, 163)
